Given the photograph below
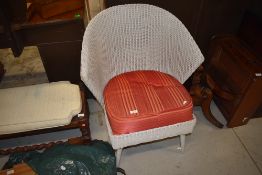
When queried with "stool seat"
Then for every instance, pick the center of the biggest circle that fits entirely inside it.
(38, 106)
(142, 100)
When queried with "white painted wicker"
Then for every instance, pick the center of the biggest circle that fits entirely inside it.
(124, 140)
(138, 37)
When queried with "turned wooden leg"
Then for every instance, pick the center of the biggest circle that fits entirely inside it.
(205, 105)
(202, 96)
(84, 120)
(85, 130)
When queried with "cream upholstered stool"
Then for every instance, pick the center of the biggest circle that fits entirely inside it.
(42, 107)
(135, 37)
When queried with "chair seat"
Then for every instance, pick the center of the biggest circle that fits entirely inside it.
(38, 106)
(142, 100)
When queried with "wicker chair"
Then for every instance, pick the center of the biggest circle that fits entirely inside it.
(138, 37)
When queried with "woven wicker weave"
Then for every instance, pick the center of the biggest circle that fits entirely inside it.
(138, 37)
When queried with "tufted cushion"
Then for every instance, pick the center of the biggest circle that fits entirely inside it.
(141, 100)
(38, 106)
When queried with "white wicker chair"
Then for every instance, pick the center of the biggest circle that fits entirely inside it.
(138, 37)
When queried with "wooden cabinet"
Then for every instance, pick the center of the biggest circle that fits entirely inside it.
(238, 71)
(60, 48)
(56, 27)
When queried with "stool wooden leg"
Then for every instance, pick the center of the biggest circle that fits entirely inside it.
(84, 120)
(85, 130)
(118, 156)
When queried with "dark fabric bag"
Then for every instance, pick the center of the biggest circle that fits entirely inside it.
(97, 158)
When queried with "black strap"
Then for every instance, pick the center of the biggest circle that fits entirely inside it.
(120, 170)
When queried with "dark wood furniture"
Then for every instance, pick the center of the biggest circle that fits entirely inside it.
(250, 33)
(206, 83)
(235, 74)
(58, 38)
(202, 94)
(81, 122)
(2, 71)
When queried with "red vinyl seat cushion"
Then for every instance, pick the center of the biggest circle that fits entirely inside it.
(142, 100)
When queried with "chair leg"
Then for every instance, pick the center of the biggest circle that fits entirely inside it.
(118, 156)
(182, 142)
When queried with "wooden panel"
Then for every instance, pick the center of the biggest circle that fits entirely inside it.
(58, 7)
(235, 69)
(250, 102)
(226, 68)
(62, 60)
(54, 31)
(219, 17)
(47, 32)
